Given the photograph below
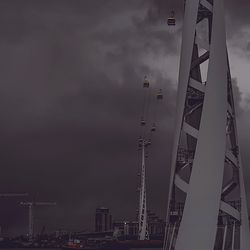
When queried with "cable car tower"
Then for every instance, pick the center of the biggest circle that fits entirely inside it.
(207, 207)
(144, 142)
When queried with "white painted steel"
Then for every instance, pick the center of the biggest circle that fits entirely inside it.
(229, 108)
(202, 44)
(231, 158)
(199, 221)
(206, 4)
(167, 231)
(188, 34)
(197, 85)
(190, 130)
(143, 233)
(198, 225)
(244, 228)
(181, 184)
(172, 237)
(224, 237)
(230, 210)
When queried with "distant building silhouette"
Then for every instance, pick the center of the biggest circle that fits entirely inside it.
(129, 229)
(103, 220)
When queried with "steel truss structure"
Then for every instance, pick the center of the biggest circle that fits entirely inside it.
(207, 206)
(143, 225)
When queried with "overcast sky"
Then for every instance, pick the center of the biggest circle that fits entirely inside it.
(70, 104)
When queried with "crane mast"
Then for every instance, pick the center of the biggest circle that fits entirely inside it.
(31, 206)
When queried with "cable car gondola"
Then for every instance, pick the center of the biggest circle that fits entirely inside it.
(143, 122)
(171, 19)
(146, 82)
(153, 127)
(159, 95)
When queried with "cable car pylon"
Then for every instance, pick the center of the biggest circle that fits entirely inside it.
(207, 199)
(145, 140)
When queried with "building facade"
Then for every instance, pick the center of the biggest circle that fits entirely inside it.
(103, 220)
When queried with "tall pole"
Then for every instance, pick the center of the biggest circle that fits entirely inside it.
(143, 231)
(206, 182)
(31, 221)
(144, 142)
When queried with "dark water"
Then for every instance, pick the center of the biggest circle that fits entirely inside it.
(59, 248)
(146, 248)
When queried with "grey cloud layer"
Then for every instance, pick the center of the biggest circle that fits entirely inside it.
(70, 104)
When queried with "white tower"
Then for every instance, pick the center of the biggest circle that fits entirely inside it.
(142, 227)
(147, 131)
(207, 207)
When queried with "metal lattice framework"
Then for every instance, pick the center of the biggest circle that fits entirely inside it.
(207, 203)
(143, 226)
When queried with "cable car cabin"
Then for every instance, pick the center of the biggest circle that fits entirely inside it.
(153, 128)
(171, 19)
(160, 95)
(140, 142)
(143, 122)
(148, 142)
(146, 83)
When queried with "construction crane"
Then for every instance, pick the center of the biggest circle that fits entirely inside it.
(31, 206)
(10, 195)
(13, 195)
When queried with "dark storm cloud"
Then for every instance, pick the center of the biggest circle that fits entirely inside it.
(70, 102)
(237, 13)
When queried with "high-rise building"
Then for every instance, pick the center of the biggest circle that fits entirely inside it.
(103, 220)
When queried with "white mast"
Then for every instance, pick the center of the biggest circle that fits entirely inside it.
(144, 142)
(206, 183)
(143, 231)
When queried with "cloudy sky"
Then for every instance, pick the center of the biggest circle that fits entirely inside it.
(70, 103)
